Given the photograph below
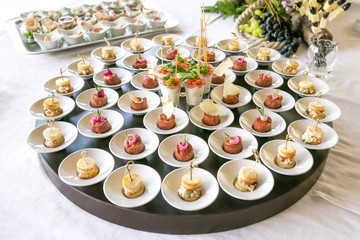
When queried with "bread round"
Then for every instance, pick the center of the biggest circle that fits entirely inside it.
(292, 64)
(306, 84)
(264, 51)
(316, 106)
(285, 164)
(86, 168)
(83, 65)
(51, 103)
(132, 188)
(52, 133)
(135, 43)
(314, 131)
(63, 81)
(286, 152)
(190, 184)
(167, 38)
(248, 175)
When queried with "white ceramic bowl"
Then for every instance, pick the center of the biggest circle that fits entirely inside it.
(280, 64)
(150, 121)
(171, 184)
(124, 75)
(76, 82)
(145, 43)
(73, 36)
(191, 42)
(278, 124)
(287, 103)
(158, 24)
(182, 53)
(52, 42)
(153, 101)
(222, 44)
(216, 141)
(36, 140)
(332, 111)
(118, 52)
(149, 139)
(118, 27)
(113, 189)
(229, 75)
(229, 171)
(128, 62)
(274, 55)
(115, 119)
(251, 77)
(303, 158)
(297, 128)
(250, 66)
(138, 27)
(226, 117)
(137, 81)
(95, 36)
(167, 148)
(68, 173)
(84, 98)
(244, 97)
(177, 39)
(72, 68)
(319, 85)
(37, 110)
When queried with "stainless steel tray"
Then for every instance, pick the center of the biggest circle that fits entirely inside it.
(13, 28)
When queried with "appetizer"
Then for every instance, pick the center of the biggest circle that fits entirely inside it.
(291, 67)
(107, 53)
(194, 88)
(151, 81)
(30, 25)
(211, 113)
(86, 167)
(111, 78)
(202, 39)
(132, 184)
(64, 85)
(140, 62)
(133, 144)
(210, 56)
(171, 53)
(262, 122)
(263, 54)
(166, 40)
(313, 135)
(230, 93)
(184, 150)
(233, 45)
(138, 103)
(166, 119)
(240, 64)
(286, 155)
(273, 100)
(52, 135)
(218, 76)
(99, 124)
(52, 107)
(84, 67)
(232, 144)
(246, 180)
(190, 188)
(98, 98)
(135, 45)
(316, 110)
(306, 87)
(264, 80)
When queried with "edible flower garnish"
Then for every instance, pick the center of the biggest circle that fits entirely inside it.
(263, 117)
(100, 92)
(261, 110)
(140, 59)
(131, 138)
(183, 145)
(108, 72)
(97, 117)
(232, 139)
(242, 60)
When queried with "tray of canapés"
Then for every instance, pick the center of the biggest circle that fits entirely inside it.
(189, 187)
(44, 31)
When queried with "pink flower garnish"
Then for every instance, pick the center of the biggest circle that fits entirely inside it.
(240, 60)
(264, 118)
(140, 60)
(234, 140)
(183, 147)
(96, 118)
(101, 93)
(171, 51)
(132, 139)
(273, 96)
(108, 73)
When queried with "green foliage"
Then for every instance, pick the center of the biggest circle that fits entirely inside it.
(226, 8)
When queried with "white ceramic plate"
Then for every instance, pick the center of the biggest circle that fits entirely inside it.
(226, 117)
(72, 68)
(243, 46)
(332, 111)
(145, 43)
(280, 64)
(191, 42)
(229, 75)
(297, 128)
(36, 140)
(319, 85)
(251, 77)
(219, 57)
(124, 75)
(274, 55)
(149, 139)
(182, 53)
(118, 52)
(287, 103)
(68, 173)
(151, 118)
(83, 100)
(177, 39)
(113, 189)
(250, 66)
(303, 158)
(216, 140)
(116, 121)
(167, 148)
(37, 110)
(76, 82)
(278, 124)
(128, 62)
(244, 97)
(137, 81)
(172, 182)
(153, 101)
(229, 171)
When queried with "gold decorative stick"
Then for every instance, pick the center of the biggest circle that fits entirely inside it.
(257, 158)
(287, 138)
(107, 42)
(128, 168)
(84, 153)
(192, 165)
(82, 57)
(62, 70)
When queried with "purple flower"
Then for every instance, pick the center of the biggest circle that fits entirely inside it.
(288, 10)
(284, 3)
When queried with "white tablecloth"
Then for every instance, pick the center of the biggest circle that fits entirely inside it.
(32, 208)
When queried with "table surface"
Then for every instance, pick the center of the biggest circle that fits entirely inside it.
(32, 208)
